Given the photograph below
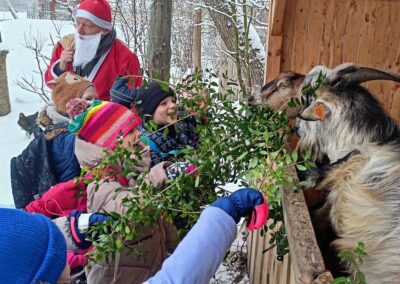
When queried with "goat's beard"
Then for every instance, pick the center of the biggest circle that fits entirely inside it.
(327, 138)
(307, 131)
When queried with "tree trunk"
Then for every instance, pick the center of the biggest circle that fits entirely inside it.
(220, 13)
(159, 50)
(52, 6)
(11, 9)
(5, 106)
(197, 41)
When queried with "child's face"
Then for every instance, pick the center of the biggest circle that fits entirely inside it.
(129, 140)
(166, 112)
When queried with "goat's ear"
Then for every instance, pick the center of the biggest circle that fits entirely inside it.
(316, 111)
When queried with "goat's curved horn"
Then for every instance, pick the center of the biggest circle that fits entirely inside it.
(349, 73)
(365, 74)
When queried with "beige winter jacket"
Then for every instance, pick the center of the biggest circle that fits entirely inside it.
(156, 242)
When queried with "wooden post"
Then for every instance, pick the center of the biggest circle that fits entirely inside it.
(304, 251)
(196, 55)
(5, 106)
(274, 39)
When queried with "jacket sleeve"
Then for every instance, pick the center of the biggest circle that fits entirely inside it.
(208, 240)
(157, 175)
(63, 225)
(131, 66)
(60, 199)
(55, 58)
(50, 74)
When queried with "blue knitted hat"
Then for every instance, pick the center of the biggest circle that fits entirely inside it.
(32, 249)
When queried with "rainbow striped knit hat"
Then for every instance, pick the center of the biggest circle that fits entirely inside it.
(103, 122)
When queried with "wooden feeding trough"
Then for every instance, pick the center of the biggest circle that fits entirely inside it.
(302, 34)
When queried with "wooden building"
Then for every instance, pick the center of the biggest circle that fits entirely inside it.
(302, 34)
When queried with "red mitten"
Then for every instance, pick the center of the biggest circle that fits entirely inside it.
(259, 216)
(191, 169)
(76, 260)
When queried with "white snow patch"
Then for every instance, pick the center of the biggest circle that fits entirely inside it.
(20, 62)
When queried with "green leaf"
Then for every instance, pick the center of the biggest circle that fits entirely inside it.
(241, 157)
(342, 280)
(184, 213)
(288, 158)
(118, 244)
(253, 162)
(273, 155)
(295, 156)
(301, 167)
(164, 86)
(292, 103)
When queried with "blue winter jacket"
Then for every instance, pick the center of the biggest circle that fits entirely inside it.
(63, 161)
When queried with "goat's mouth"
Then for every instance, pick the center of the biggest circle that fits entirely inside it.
(252, 101)
(305, 118)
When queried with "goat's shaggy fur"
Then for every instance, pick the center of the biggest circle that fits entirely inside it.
(344, 121)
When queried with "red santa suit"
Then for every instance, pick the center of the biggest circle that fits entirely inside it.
(119, 60)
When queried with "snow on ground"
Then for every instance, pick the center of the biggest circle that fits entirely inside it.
(233, 269)
(8, 16)
(20, 62)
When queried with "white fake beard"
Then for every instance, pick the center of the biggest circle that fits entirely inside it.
(85, 48)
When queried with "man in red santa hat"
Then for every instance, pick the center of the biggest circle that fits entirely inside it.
(94, 52)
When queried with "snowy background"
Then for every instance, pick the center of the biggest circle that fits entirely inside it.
(20, 62)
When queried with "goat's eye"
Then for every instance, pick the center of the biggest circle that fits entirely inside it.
(282, 86)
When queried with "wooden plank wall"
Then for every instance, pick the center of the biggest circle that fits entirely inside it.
(331, 32)
(264, 267)
(306, 33)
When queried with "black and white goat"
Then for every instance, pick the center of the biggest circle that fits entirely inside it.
(344, 121)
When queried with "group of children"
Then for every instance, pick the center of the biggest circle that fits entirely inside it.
(74, 134)
(94, 126)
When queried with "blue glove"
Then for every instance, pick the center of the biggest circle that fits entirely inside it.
(245, 202)
(121, 94)
(79, 230)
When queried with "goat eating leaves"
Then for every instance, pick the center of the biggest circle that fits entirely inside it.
(342, 120)
(278, 92)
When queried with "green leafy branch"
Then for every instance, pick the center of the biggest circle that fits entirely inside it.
(239, 144)
(355, 259)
